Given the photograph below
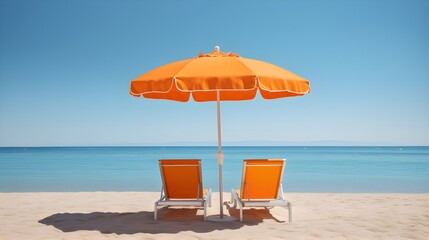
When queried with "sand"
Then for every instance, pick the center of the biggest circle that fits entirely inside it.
(129, 215)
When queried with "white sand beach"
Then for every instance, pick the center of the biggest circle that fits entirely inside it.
(129, 215)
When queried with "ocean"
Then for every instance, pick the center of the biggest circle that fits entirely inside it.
(308, 169)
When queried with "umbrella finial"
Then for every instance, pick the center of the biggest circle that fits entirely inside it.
(217, 49)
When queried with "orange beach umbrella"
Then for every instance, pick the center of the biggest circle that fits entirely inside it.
(218, 76)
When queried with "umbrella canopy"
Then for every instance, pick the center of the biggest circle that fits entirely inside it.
(218, 76)
(235, 77)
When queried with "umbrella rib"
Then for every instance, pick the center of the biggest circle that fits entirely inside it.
(181, 69)
(246, 66)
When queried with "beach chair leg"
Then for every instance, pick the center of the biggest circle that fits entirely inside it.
(210, 197)
(289, 206)
(233, 198)
(205, 211)
(155, 212)
(241, 212)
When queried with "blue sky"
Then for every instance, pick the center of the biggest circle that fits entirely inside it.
(65, 68)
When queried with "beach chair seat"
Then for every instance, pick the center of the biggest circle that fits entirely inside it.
(261, 185)
(182, 185)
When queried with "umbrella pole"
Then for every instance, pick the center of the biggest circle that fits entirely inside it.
(219, 154)
(221, 217)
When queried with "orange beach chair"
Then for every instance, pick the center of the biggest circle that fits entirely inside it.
(182, 185)
(261, 185)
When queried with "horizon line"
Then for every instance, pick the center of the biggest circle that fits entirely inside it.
(125, 146)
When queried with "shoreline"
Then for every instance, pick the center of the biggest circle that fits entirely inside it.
(129, 215)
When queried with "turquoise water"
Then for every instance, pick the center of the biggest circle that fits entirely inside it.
(308, 169)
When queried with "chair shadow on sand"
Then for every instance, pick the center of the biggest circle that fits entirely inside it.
(171, 221)
(252, 214)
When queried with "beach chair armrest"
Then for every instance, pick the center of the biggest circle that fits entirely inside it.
(208, 197)
(207, 202)
(235, 195)
(162, 196)
(280, 194)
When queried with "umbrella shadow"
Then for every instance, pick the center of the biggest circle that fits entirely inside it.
(170, 221)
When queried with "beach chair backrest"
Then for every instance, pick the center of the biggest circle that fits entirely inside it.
(181, 178)
(261, 178)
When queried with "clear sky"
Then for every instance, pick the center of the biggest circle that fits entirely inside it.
(65, 69)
